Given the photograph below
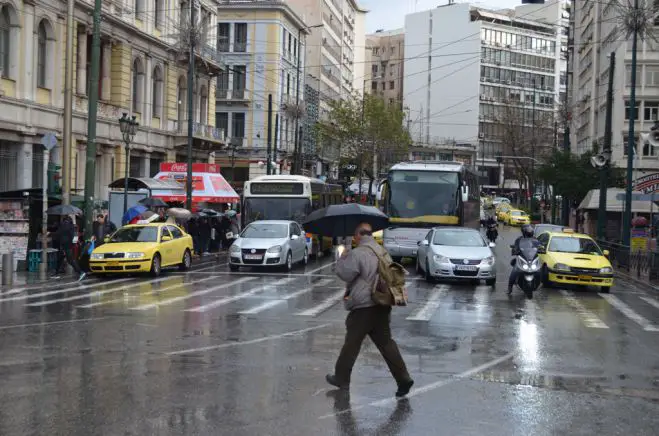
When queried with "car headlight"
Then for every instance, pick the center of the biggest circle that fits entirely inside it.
(440, 259)
(488, 261)
(96, 256)
(275, 249)
(606, 270)
(234, 249)
(133, 255)
(561, 267)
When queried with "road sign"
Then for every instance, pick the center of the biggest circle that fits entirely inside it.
(49, 140)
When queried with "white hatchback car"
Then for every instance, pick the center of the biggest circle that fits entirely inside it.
(456, 253)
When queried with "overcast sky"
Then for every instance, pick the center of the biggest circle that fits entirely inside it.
(390, 14)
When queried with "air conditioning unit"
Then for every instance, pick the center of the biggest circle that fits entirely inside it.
(482, 96)
(482, 79)
(481, 135)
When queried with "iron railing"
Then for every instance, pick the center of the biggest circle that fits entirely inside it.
(640, 264)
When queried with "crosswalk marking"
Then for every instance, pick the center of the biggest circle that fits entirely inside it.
(322, 307)
(589, 318)
(155, 291)
(426, 312)
(63, 290)
(230, 299)
(629, 313)
(651, 301)
(270, 304)
(193, 294)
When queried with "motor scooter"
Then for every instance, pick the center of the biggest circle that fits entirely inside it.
(526, 265)
(492, 232)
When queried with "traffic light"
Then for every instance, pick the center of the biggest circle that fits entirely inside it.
(54, 179)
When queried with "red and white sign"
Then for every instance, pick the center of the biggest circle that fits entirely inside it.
(182, 167)
(208, 185)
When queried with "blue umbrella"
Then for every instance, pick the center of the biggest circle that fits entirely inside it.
(133, 212)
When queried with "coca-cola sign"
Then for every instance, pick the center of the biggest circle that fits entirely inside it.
(182, 167)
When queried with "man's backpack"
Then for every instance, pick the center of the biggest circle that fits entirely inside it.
(389, 289)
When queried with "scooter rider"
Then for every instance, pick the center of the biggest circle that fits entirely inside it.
(527, 233)
(490, 228)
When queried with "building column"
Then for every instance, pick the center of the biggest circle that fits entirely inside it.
(148, 89)
(106, 72)
(24, 166)
(82, 63)
(146, 163)
(28, 78)
(171, 156)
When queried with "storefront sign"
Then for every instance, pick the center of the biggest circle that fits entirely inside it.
(647, 184)
(182, 167)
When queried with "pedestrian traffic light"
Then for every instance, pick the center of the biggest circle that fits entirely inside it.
(54, 178)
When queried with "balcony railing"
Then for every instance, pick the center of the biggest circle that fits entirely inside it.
(333, 51)
(240, 47)
(199, 130)
(210, 52)
(223, 46)
(232, 94)
(332, 23)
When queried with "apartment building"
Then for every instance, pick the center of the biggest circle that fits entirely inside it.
(385, 64)
(142, 72)
(262, 44)
(597, 34)
(471, 72)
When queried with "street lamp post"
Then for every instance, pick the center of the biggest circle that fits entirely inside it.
(128, 127)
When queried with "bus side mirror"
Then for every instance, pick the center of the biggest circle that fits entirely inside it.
(465, 193)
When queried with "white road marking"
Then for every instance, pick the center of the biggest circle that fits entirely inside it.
(319, 268)
(45, 324)
(651, 301)
(95, 294)
(629, 313)
(155, 291)
(325, 305)
(63, 290)
(589, 318)
(193, 294)
(428, 387)
(232, 298)
(13, 291)
(250, 342)
(269, 304)
(258, 273)
(426, 312)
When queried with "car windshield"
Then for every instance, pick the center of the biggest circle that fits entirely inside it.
(517, 213)
(294, 209)
(414, 194)
(566, 244)
(542, 228)
(135, 234)
(458, 238)
(265, 231)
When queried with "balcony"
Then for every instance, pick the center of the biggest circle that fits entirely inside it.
(330, 73)
(201, 131)
(232, 95)
(240, 47)
(206, 56)
(223, 47)
(327, 18)
(332, 50)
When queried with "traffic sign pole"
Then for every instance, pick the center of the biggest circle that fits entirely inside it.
(49, 141)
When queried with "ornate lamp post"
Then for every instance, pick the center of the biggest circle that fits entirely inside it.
(128, 127)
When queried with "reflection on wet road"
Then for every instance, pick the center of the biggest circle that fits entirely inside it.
(215, 352)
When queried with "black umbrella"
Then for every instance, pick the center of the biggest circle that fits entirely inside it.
(210, 213)
(63, 209)
(153, 202)
(342, 219)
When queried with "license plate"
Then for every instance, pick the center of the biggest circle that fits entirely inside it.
(112, 264)
(253, 257)
(466, 268)
(414, 252)
(585, 277)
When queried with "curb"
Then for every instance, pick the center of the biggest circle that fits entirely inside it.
(631, 279)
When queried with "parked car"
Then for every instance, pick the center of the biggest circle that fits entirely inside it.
(269, 243)
(143, 248)
(456, 253)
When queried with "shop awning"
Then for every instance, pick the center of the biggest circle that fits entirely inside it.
(207, 187)
(137, 183)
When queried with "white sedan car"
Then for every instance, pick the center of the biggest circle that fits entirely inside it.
(269, 243)
(456, 253)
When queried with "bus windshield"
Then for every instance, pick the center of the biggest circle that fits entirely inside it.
(268, 208)
(415, 194)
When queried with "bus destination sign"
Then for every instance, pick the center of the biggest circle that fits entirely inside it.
(277, 188)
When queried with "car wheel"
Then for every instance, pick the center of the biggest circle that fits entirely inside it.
(545, 277)
(605, 289)
(491, 282)
(288, 266)
(305, 259)
(427, 274)
(397, 259)
(418, 266)
(156, 266)
(233, 267)
(186, 263)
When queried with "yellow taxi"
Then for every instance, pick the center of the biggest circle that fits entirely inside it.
(502, 212)
(143, 248)
(517, 217)
(574, 259)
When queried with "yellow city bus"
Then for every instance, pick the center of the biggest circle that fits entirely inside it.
(285, 197)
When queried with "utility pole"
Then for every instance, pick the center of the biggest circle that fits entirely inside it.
(90, 167)
(274, 143)
(627, 217)
(191, 71)
(296, 148)
(68, 105)
(269, 136)
(608, 133)
(565, 212)
(532, 178)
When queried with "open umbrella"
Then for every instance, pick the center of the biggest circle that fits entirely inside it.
(209, 213)
(133, 212)
(152, 202)
(63, 209)
(342, 219)
(147, 214)
(179, 212)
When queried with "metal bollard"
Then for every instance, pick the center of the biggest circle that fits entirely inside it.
(7, 269)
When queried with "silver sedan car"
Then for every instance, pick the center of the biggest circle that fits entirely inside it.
(269, 243)
(456, 253)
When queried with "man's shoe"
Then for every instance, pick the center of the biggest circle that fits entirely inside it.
(510, 290)
(404, 388)
(331, 379)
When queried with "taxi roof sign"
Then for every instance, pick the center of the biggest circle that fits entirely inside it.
(568, 230)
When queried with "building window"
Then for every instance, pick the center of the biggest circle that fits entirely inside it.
(627, 111)
(223, 30)
(135, 166)
(222, 83)
(156, 94)
(154, 163)
(139, 9)
(42, 54)
(184, 16)
(384, 86)
(222, 121)
(392, 85)
(182, 101)
(203, 105)
(374, 86)
(374, 69)
(651, 75)
(159, 14)
(5, 41)
(651, 111)
(138, 74)
(239, 81)
(238, 125)
(240, 38)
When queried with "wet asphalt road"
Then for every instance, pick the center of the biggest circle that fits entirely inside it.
(211, 352)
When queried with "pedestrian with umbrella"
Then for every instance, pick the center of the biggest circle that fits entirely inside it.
(133, 214)
(153, 203)
(372, 286)
(64, 236)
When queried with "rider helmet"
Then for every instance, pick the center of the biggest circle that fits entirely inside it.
(527, 231)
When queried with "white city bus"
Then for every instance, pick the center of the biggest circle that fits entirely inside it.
(285, 197)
